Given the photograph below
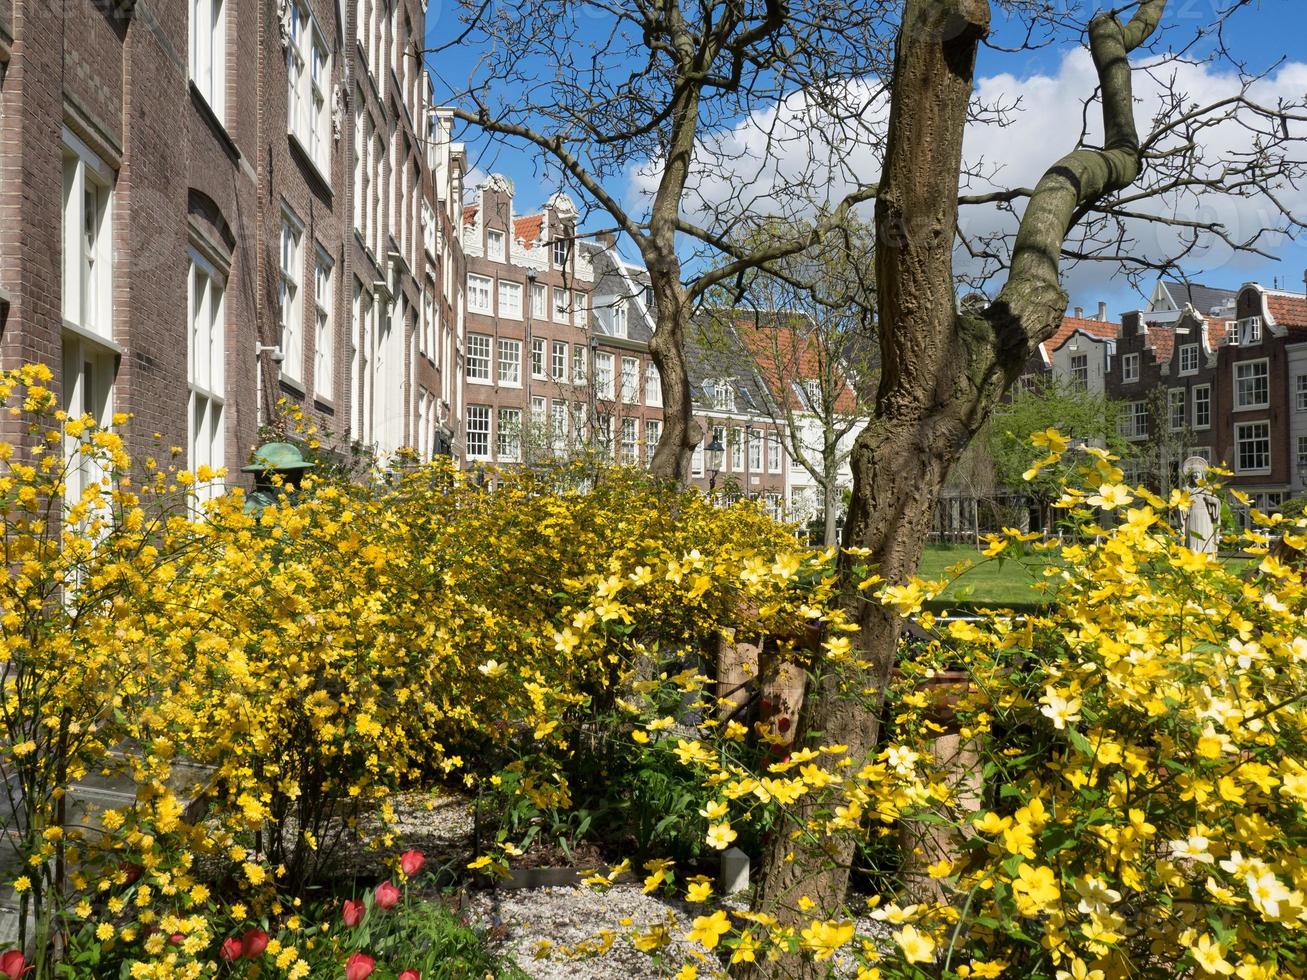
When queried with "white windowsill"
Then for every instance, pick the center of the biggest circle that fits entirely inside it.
(91, 336)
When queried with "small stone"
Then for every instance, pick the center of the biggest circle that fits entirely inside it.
(735, 871)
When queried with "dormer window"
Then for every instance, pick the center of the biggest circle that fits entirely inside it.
(1250, 331)
(1189, 359)
(619, 318)
(723, 395)
(495, 245)
(561, 248)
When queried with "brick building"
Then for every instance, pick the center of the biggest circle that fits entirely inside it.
(181, 233)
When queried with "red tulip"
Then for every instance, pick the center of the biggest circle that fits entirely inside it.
(387, 895)
(14, 964)
(176, 939)
(359, 967)
(410, 975)
(354, 912)
(231, 949)
(253, 943)
(411, 862)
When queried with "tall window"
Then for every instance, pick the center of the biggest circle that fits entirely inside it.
(324, 333)
(1175, 408)
(558, 362)
(1301, 462)
(478, 357)
(538, 358)
(631, 380)
(561, 248)
(1080, 370)
(495, 245)
(578, 364)
(510, 363)
(539, 301)
(510, 300)
(737, 450)
(1133, 423)
(653, 386)
(696, 461)
(1252, 384)
(578, 309)
(478, 431)
(619, 318)
(558, 427)
(653, 431)
(208, 44)
(1300, 393)
(1250, 330)
(205, 351)
(723, 395)
(1129, 368)
(1189, 359)
(561, 297)
(87, 240)
(630, 441)
(478, 294)
(1252, 447)
(773, 452)
(603, 374)
(508, 446)
(1202, 406)
(292, 312)
(308, 79)
(755, 451)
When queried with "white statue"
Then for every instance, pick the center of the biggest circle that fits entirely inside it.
(1202, 522)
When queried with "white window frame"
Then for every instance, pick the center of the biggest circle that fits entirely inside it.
(477, 362)
(603, 372)
(736, 440)
(1202, 397)
(631, 380)
(560, 251)
(653, 386)
(773, 452)
(324, 327)
(495, 247)
(538, 358)
(630, 450)
(208, 53)
(619, 318)
(1241, 437)
(653, 431)
(1176, 408)
(1129, 368)
(508, 435)
(1080, 370)
(558, 361)
(580, 370)
(480, 290)
(1300, 393)
(1301, 461)
(205, 373)
(580, 305)
(478, 437)
(510, 300)
(509, 361)
(696, 460)
(291, 297)
(308, 76)
(1250, 331)
(87, 240)
(558, 412)
(1189, 354)
(539, 301)
(755, 451)
(1240, 405)
(562, 308)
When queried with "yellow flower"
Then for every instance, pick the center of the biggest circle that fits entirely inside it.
(917, 947)
(822, 939)
(708, 929)
(720, 835)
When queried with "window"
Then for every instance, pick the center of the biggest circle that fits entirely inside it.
(558, 427)
(737, 450)
(1202, 452)
(508, 442)
(1134, 420)
(292, 312)
(478, 357)
(604, 431)
(324, 335)
(1189, 359)
(603, 374)
(87, 240)
(87, 382)
(1250, 331)
(619, 318)
(558, 362)
(773, 452)
(578, 421)
(208, 44)
(653, 386)
(578, 309)
(1175, 408)
(755, 451)
(561, 310)
(1203, 407)
(309, 78)
(539, 302)
(561, 248)
(510, 300)
(510, 363)
(1300, 393)
(538, 405)
(1301, 464)
(578, 365)
(630, 441)
(495, 245)
(537, 358)
(478, 294)
(1252, 442)
(478, 431)
(205, 445)
(1080, 370)
(696, 461)
(653, 431)
(1251, 384)
(631, 380)
(1129, 368)
(1231, 331)
(723, 396)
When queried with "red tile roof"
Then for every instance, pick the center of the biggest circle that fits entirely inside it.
(1288, 309)
(1103, 329)
(1162, 341)
(470, 214)
(785, 355)
(527, 228)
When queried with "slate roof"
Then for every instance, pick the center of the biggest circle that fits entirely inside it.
(1202, 298)
(714, 352)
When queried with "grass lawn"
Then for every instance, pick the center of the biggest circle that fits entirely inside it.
(992, 583)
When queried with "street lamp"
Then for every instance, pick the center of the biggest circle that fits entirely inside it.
(714, 452)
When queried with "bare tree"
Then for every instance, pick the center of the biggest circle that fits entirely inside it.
(653, 87)
(943, 369)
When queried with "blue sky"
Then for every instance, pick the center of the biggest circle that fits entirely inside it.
(1263, 33)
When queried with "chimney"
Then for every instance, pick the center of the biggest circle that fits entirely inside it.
(1080, 312)
(607, 239)
(1102, 312)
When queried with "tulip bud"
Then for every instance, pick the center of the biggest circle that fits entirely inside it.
(387, 895)
(354, 913)
(359, 967)
(13, 964)
(231, 949)
(411, 862)
(253, 943)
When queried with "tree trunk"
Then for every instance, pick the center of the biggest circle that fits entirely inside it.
(830, 479)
